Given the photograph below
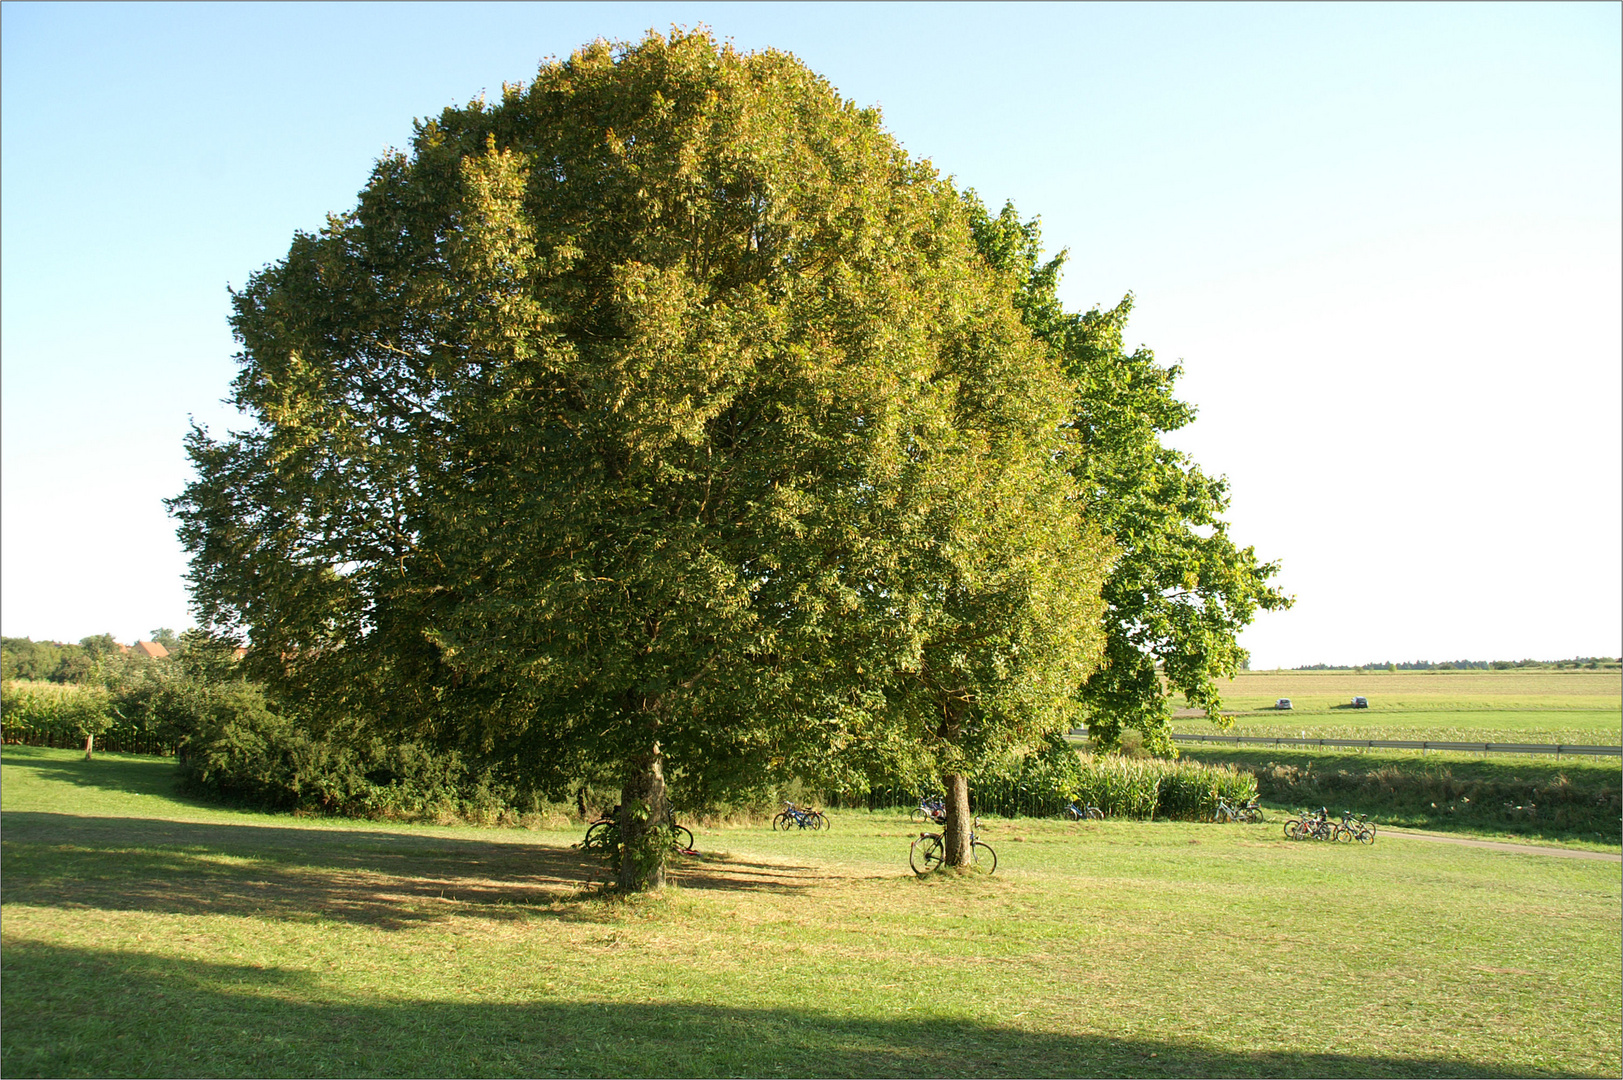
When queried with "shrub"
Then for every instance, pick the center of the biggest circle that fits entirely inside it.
(245, 751)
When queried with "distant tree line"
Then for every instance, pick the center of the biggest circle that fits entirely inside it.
(1591, 662)
(53, 661)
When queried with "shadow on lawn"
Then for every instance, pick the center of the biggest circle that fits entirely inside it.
(384, 879)
(101, 1012)
(134, 774)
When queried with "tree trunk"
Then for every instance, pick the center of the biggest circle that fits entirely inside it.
(957, 834)
(644, 842)
(90, 745)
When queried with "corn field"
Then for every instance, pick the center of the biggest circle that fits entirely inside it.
(1140, 788)
(61, 714)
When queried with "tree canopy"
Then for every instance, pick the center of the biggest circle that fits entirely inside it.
(1182, 590)
(661, 419)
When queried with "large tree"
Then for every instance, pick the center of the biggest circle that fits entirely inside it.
(1181, 590)
(664, 419)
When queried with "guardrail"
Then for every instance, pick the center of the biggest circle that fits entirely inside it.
(1404, 744)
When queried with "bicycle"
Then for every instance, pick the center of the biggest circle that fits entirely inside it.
(1359, 828)
(929, 852)
(1083, 813)
(931, 810)
(603, 835)
(1316, 827)
(803, 816)
(1250, 813)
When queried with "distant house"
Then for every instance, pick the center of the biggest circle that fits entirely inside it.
(149, 649)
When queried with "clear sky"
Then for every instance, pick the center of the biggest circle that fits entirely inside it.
(1383, 240)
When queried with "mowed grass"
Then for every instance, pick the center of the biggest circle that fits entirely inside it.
(145, 935)
(1579, 707)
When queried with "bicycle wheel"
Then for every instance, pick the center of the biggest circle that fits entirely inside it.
(681, 838)
(819, 822)
(1366, 835)
(1251, 815)
(1344, 835)
(1095, 814)
(781, 822)
(602, 836)
(983, 856)
(926, 854)
(1293, 829)
(1222, 816)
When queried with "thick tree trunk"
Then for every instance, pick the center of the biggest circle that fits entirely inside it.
(644, 842)
(90, 746)
(958, 832)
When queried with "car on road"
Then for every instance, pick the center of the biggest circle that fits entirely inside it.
(1360, 703)
(1283, 703)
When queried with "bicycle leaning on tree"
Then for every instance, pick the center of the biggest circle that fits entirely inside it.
(929, 852)
(604, 834)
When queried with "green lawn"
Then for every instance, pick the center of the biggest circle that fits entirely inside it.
(146, 935)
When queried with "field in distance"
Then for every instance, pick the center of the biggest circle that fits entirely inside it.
(1489, 706)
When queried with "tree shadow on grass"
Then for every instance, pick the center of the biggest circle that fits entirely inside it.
(133, 774)
(384, 879)
(102, 1012)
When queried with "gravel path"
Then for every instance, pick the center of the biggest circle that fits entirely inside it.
(1497, 845)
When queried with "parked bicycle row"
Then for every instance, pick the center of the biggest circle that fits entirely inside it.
(928, 851)
(932, 810)
(1320, 826)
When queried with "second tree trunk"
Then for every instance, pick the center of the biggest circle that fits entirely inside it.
(959, 830)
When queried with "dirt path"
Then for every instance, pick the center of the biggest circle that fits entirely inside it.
(1498, 845)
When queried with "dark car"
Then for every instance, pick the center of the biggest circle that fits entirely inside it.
(1360, 703)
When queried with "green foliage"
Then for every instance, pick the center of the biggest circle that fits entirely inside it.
(662, 412)
(245, 752)
(1181, 590)
(53, 661)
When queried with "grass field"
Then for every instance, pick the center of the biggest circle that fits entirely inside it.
(1583, 707)
(147, 935)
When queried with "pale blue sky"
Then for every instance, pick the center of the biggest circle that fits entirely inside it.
(1384, 241)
